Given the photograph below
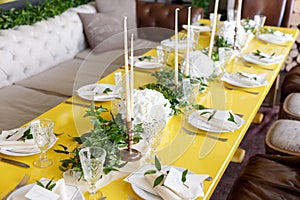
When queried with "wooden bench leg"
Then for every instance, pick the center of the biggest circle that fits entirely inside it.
(258, 118)
(238, 156)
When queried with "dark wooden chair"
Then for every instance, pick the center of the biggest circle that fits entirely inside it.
(278, 12)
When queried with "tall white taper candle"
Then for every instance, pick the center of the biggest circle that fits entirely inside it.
(131, 79)
(187, 63)
(213, 31)
(127, 84)
(239, 14)
(176, 48)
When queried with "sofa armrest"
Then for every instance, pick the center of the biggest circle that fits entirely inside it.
(155, 14)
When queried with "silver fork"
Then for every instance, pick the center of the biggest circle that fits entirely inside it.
(20, 184)
(251, 66)
(247, 91)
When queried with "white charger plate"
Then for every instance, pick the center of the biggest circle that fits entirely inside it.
(229, 79)
(86, 92)
(25, 153)
(273, 38)
(19, 193)
(207, 126)
(182, 44)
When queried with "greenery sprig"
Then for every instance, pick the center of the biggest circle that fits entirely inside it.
(259, 54)
(158, 180)
(35, 13)
(26, 135)
(109, 134)
(48, 186)
(149, 58)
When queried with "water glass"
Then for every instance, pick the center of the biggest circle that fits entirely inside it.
(211, 18)
(162, 54)
(92, 160)
(231, 14)
(42, 131)
(190, 91)
(195, 34)
(225, 54)
(259, 22)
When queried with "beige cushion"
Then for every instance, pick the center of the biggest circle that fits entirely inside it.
(67, 77)
(117, 56)
(284, 136)
(103, 28)
(291, 106)
(19, 105)
(122, 7)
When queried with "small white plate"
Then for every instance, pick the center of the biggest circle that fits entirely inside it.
(237, 79)
(25, 152)
(215, 126)
(19, 194)
(147, 63)
(94, 92)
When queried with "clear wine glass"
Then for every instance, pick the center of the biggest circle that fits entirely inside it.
(42, 131)
(92, 160)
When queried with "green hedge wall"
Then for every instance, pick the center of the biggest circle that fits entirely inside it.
(31, 14)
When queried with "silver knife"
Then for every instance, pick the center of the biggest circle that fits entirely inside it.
(14, 162)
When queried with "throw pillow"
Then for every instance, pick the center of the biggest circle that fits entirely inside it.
(104, 31)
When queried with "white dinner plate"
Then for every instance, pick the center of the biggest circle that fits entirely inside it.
(204, 28)
(19, 152)
(19, 194)
(144, 194)
(170, 43)
(94, 92)
(147, 63)
(267, 60)
(218, 123)
(276, 38)
(244, 80)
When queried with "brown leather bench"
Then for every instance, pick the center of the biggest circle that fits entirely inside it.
(268, 177)
(161, 16)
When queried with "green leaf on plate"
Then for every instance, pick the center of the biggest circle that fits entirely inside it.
(158, 180)
(157, 163)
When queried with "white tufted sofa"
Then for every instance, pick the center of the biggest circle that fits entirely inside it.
(42, 64)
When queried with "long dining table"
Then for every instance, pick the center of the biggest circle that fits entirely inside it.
(196, 152)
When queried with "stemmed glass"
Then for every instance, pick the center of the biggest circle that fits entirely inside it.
(153, 130)
(92, 160)
(42, 131)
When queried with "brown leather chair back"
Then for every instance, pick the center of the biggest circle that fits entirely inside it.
(155, 14)
(278, 12)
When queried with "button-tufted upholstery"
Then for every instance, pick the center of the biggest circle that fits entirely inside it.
(30, 49)
(150, 14)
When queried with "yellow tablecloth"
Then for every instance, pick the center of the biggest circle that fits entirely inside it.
(195, 152)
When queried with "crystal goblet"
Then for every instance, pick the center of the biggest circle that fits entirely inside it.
(42, 131)
(92, 160)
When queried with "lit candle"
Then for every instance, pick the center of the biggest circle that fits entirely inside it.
(131, 78)
(213, 31)
(187, 64)
(239, 14)
(127, 84)
(176, 47)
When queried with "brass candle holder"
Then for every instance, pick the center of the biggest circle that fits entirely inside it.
(129, 154)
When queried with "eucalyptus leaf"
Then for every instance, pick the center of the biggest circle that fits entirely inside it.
(157, 163)
(150, 172)
(158, 180)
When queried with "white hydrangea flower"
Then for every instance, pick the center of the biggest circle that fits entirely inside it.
(147, 104)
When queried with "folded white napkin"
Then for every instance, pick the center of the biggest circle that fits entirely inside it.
(182, 44)
(172, 187)
(61, 191)
(243, 79)
(276, 37)
(219, 121)
(267, 59)
(12, 142)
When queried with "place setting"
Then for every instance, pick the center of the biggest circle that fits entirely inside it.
(245, 80)
(154, 181)
(98, 92)
(261, 58)
(147, 62)
(276, 37)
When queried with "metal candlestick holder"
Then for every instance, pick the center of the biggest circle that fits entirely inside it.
(235, 47)
(129, 154)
